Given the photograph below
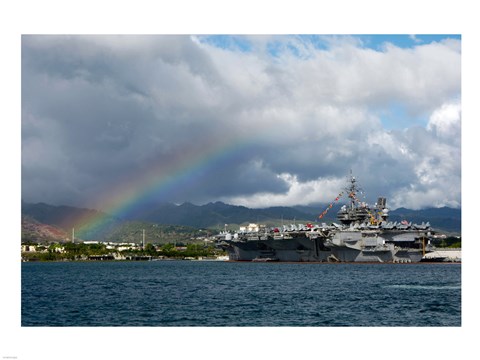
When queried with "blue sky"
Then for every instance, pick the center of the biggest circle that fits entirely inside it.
(373, 41)
(377, 42)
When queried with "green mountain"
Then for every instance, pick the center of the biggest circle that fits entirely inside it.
(37, 232)
(168, 221)
(446, 219)
(69, 217)
(132, 232)
(65, 217)
(216, 215)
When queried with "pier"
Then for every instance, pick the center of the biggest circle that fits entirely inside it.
(445, 254)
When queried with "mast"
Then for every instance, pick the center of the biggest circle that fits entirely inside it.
(352, 190)
(353, 212)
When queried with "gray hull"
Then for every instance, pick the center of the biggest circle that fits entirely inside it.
(294, 249)
(345, 246)
(397, 246)
(394, 256)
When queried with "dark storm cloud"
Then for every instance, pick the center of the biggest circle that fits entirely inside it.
(97, 109)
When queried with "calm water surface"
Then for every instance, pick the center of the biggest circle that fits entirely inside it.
(191, 293)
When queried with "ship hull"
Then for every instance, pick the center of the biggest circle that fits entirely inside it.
(238, 252)
(390, 256)
(345, 246)
(395, 246)
(292, 249)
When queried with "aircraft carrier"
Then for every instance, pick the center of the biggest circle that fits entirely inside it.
(363, 234)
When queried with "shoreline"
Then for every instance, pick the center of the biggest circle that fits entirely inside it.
(254, 262)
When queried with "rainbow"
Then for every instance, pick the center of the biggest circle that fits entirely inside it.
(163, 177)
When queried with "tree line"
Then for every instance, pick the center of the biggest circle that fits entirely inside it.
(81, 251)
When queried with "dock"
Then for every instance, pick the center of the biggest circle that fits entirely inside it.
(444, 255)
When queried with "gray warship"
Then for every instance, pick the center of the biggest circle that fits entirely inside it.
(363, 234)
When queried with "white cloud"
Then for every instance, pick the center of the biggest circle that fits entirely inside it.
(313, 191)
(445, 121)
(436, 162)
(111, 105)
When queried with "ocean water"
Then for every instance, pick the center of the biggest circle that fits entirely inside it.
(195, 293)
